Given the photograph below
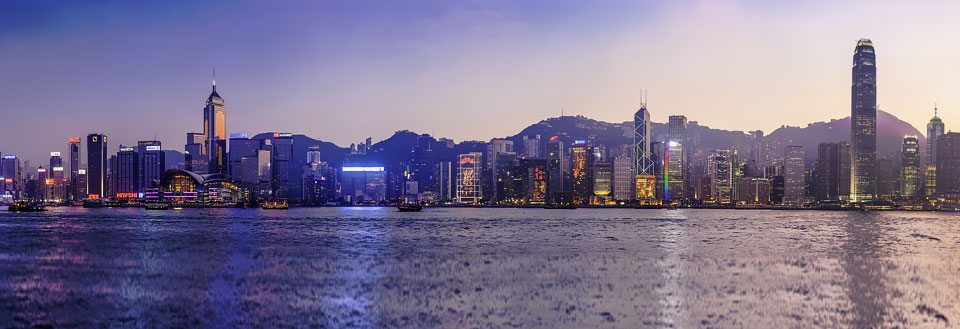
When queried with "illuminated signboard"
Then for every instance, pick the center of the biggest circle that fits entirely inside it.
(126, 149)
(93, 196)
(93, 138)
(49, 181)
(126, 195)
(579, 142)
(365, 169)
(54, 154)
(238, 135)
(282, 135)
(8, 180)
(41, 170)
(82, 171)
(153, 148)
(74, 139)
(57, 168)
(11, 156)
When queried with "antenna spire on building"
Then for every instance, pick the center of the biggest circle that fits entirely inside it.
(214, 79)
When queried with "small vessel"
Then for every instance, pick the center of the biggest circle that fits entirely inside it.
(93, 203)
(409, 207)
(560, 206)
(156, 206)
(27, 206)
(275, 204)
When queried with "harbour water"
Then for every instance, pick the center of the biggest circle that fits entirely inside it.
(479, 268)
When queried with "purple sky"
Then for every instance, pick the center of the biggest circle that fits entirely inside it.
(344, 70)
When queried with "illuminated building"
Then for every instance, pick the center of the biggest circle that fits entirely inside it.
(556, 171)
(675, 175)
(720, 173)
(187, 188)
(58, 189)
(624, 179)
(753, 191)
(863, 147)
(365, 184)
(126, 174)
(319, 180)
(888, 176)
(195, 154)
(76, 188)
(644, 166)
(793, 175)
(833, 172)
(581, 158)
(215, 131)
(284, 185)
(152, 165)
(602, 179)
(910, 179)
(535, 181)
(41, 191)
(495, 148)
(948, 164)
(468, 178)
(532, 147)
(96, 166)
(935, 129)
(420, 174)
(81, 183)
(250, 165)
(446, 181)
(508, 186)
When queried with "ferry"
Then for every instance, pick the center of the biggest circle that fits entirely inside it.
(275, 205)
(409, 207)
(23, 206)
(93, 203)
(156, 206)
(560, 206)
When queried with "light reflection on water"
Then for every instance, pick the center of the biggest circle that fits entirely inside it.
(452, 267)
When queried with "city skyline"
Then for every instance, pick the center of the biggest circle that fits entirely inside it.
(167, 102)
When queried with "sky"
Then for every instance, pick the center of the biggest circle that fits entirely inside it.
(342, 71)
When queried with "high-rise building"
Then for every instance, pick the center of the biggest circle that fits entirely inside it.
(195, 153)
(318, 179)
(468, 178)
(420, 178)
(646, 180)
(446, 179)
(793, 175)
(910, 172)
(833, 172)
(581, 159)
(535, 179)
(948, 164)
(284, 184)
(754, 191)
(888, 176)
(126, 174)
(863, 129)
(366, 184)
(556, 185)
(532, 147)
(152, 162)
(602, 178)
(56, 179)
(935, 129)
(250, 164)
(624, 178)
(215, 131)
(96, 166)
(75, 187)
(675, 176)
(720, 173)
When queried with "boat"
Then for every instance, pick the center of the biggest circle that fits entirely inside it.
(560, 206)
(93, 203)
(23, 206)
(156, 206)
(275, 205)
(409, 207)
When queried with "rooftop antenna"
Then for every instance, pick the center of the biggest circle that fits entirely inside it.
(214, 78)
(934, 108)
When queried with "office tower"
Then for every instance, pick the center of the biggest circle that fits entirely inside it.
(126, 174)
(81, 184)
(646, 177)
(675, 176)
(152, 162)
(284, 186)
(420, 174)
(12, 176)
(75, 187)
(720, 173)
(318, 179)
(446, 181)
(581, 159)
(195, 154)
(41, 189)
(58, 191)
(910, 179)
(531, 147)
(948, 164)
(793, 172)
(833, 171)
(313, 154)
(863, 129)
(468, 178)
(754, 191)
(888, 176)
(935, 129)
(602, 178)
(96, 166)
(556, 170)
(758, 149)
(624, 178)
(250, 164)
(215, 131)
(495, 148)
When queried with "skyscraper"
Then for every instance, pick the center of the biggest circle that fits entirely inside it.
(468, 178)
(126, 174)
(948, 164)
(75, 187)
(910, 178)
(935, 129)
(151, 166)
(863, 129)
(833, 171)
(58, 190)
(646, 177)
(96, 166)
(793, 170)
(676, 158)
(581, 156)
(215, 131)
(556, 169)
(720, 173)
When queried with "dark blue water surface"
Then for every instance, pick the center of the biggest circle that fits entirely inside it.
(479, 268)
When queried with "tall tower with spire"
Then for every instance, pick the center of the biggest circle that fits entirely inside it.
(863, 124)
(935, 128)
(215, 130)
